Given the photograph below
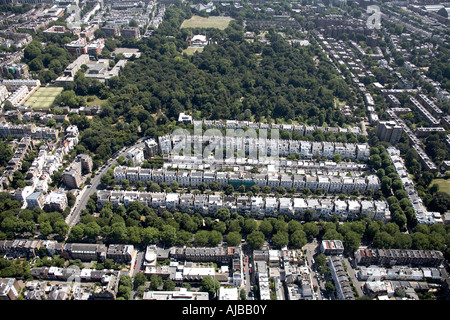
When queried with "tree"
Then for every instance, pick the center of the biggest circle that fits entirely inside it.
(125, 281)
(119, 232)
(280, 239)
(155, 282)
(214, 238)
(402, 241)
(210, 285)
(298, 239)
(383, 240)
(168, 285)
(234, 226)
(139, 279)
(329, 287)
(233, 238)
(419, 241)
(280, 225)
(150, 235)
(202, 187)
(255, 239)
(219, 226)
(266, 227)
(311, 229)
(242, 294)
(440, 202)
(250, 225)
(223, 214)
(294, 225)
(201, 237)
(61, 227)
(375, 161)
(352, 241)
(169, 235)
(76, 233)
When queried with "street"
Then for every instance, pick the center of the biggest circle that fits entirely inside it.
(74, 217)
(352, 274)
(249, 278)
(310, 252)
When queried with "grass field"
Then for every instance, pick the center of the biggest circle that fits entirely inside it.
(43, 97)
(444, 184)
(191, 50)
(210, 22)
(94, 100)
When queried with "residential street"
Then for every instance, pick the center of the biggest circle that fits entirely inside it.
(74, 217)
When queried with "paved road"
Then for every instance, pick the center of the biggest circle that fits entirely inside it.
(250, 279)
(96, 185)
(352, 274)
(136, 266)
(310, 252)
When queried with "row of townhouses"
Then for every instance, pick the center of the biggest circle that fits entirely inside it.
(264, 147)
(422, 214)
(185, 178)
(236, 124)
(255, 206)
(415, 142)
(84, 251)
(267, 164)
(28, 130)
(390, 257)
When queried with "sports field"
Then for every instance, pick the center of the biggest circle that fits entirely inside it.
(43, 97)
(210, 22)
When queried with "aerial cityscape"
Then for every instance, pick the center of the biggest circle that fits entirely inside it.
(237, 150)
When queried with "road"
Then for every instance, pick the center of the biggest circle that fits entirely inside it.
(137, 267)
(352, 274)
(74, 217)
(249, 278)
(310, 252)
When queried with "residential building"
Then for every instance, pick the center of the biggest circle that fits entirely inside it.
(136, 155)
(55, 201)
(389, 131)
(181, 294)
(332, 247)
(71, 176)
(36, 199)
(9, 289)
(341, 282)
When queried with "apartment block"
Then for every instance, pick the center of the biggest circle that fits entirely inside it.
(389, 131)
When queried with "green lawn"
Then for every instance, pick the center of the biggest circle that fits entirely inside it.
(43, 97)
(96, 101)
(210, 22)
(444, 184)
(191, 50)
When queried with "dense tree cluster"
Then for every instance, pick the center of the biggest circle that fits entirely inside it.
(48, 62)
(17, 222)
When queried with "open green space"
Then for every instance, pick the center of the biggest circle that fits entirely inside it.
(191, 50)
(210, 22)
(44, 97)
(444, 184)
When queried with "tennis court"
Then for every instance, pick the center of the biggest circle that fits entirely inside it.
(43, 97)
